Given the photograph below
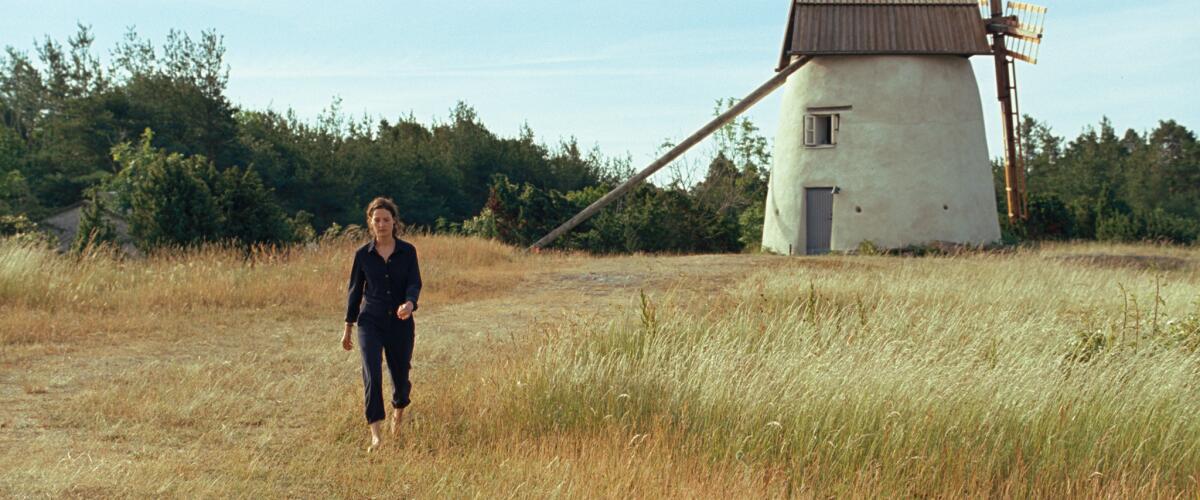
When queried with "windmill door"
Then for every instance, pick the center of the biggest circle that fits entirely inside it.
(818, 203)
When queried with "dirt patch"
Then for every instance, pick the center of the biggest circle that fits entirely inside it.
(602, 279)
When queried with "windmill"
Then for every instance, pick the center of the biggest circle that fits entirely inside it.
(881, 138)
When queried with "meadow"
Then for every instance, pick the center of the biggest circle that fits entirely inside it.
(1061, 370)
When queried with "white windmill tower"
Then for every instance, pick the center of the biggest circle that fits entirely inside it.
(881, 138)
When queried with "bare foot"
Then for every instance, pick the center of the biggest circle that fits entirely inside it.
(397, 419)
(376, 439)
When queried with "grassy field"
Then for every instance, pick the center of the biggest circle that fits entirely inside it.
(1063, 371)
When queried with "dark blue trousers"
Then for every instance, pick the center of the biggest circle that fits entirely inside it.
(394, 338)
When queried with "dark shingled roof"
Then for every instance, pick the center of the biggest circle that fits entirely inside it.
(874, 27)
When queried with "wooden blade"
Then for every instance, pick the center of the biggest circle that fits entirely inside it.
(705, 131)
(1028, 7)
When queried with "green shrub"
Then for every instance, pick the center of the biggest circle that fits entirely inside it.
(11, 225)
(1160, 225)
(868, 247)
(172, 199)
(1185, 332)
(750, 225)
(95, 228)
(1117, 227)
(647, 219)
(1049, 218)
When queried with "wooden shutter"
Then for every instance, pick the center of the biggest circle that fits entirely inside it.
(835, 123)
(810, 130)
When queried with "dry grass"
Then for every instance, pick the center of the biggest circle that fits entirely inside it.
(46, 298)
(917, 377)
(547, 375)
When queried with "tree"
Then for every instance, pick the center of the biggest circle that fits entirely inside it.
(70, 112)
(1164, 172)
(306, 166)
(720, 190)
(95, 229)
(186, 117)
(735, 187)
(39, 100)
(179, 92)
(1091, 162)
(168, 197)
(15, 194)
(247, 210)
(174, 199)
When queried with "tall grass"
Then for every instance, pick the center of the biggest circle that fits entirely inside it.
(943, 376)
(45, 296)
(1064, 371)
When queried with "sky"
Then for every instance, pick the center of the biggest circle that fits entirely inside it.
(620, 75)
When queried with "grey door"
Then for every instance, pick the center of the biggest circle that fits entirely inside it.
(818, 223)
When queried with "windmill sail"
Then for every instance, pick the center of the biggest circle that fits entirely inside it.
(1024, 25)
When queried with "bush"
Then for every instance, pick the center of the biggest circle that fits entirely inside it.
(1160, 225)
(1049, 218)
(1185, 332)
(1117, 227)
(21, 230)
(248, 212)
(301, 226)
(482, 225)
(1157, 225)
(12, 225)
(750, 224)
(1083, 215)
(95, 228)
(647, 219)
(173, 199)
(521, 214)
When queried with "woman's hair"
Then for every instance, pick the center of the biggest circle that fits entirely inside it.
(390, 206)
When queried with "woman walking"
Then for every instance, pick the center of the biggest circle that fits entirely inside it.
(385, 283)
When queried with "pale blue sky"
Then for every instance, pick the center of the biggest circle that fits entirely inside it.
(622, 74)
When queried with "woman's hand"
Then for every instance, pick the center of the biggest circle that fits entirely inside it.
(347, 341)
(405, 311)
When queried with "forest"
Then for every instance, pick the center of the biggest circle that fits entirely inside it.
(151, 134)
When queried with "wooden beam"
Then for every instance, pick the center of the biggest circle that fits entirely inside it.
(762, 91)
(1003, 92)
(1023, 57)
(1012, 188)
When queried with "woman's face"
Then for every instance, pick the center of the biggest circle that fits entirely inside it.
(382, 222)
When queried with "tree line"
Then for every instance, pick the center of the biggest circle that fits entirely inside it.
(156, 122)
(152, 135)
(1109, 187)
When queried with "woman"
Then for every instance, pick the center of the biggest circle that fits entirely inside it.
(386, 275)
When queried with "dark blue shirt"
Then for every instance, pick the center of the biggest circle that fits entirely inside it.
(385, 285)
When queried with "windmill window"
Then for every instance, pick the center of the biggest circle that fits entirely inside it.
(820, 130)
